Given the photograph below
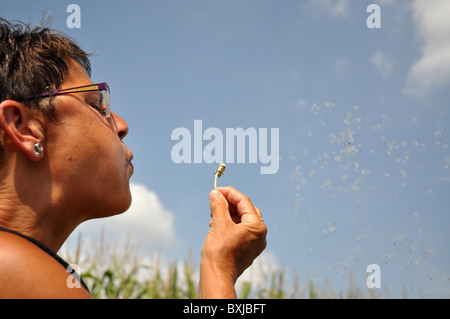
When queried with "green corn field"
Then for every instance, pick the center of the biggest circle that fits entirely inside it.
(113, 273)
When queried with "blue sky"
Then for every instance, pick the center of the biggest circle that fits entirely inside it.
(363, 119)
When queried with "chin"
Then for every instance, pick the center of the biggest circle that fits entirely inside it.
(122, 206)
(118, 205)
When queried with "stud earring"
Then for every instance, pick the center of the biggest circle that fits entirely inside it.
(38, 149)
(6, 139)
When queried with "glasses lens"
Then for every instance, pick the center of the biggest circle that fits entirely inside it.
(112, 122)
(106, 101)
(109, 115)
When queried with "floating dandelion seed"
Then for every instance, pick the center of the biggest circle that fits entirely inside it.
(341, 166)
(315, 108)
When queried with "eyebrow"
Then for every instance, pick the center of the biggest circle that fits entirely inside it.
(98, 94)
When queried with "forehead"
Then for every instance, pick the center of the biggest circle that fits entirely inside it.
(76, 76)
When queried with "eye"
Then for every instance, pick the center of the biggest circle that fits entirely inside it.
(99, 107)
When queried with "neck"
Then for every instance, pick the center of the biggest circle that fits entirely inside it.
(51, 232)
(27, 205)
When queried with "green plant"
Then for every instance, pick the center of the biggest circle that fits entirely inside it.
(112, 273)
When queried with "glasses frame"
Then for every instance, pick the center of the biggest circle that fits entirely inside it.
(86, 88)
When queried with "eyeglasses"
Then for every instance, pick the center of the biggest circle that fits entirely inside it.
(104, 107)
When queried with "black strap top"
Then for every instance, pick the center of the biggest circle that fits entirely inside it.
(51, 253)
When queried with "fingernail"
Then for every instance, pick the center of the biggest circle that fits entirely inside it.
(214, 194)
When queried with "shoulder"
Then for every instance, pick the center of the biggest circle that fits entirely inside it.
(26, 271)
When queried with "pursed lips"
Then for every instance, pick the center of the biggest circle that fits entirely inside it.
(129, 159)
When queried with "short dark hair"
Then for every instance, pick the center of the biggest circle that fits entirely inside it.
(34, 60)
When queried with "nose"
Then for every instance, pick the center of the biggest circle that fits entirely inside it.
(121, 125)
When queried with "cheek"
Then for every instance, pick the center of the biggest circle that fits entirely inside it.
(100, 177)
(92, 175)
(86, 158)
(101, 161)
(91, 162)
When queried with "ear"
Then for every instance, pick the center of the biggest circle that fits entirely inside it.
(21, 127)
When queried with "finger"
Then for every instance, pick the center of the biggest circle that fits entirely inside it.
(241, 202)
(258, 211)
(219, 207)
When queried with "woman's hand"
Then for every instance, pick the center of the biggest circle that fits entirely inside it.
(236, 237)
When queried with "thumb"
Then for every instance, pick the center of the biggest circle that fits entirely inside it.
(219, 207)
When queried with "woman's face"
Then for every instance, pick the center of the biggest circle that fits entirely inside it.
(89, 164)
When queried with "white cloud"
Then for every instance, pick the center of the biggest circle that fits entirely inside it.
(148, 223)
(301, 104)
(337, 8)
(340, 66)
(432, 70)
(382, 63)
(260, 271)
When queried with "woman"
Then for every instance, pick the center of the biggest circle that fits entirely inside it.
(63, 161)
